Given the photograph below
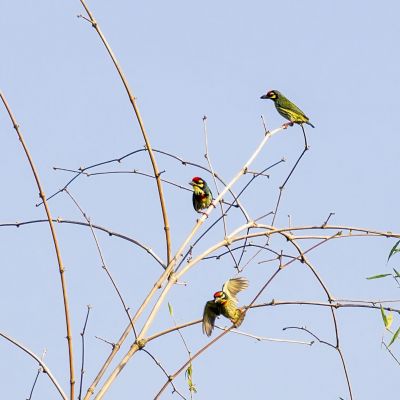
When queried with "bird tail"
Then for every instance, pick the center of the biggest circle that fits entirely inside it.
(237, 321)
(309, 123)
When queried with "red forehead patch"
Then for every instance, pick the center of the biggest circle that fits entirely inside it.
(218, 294)
(196, 179)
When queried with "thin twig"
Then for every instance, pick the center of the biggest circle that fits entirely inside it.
(265, 339)
(134, 171)
(329, 345)
(301, 328)
(391, 353)
(89, 307)
(207, 157)
(333, 311)
(175, 390)
(40, 370)
(275, 213)
(97, 227)
(290, 173)
(198, 353)
(82, 171)
(103, 261)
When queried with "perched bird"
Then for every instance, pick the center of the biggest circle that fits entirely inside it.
(287, 109)
(225, 303)
(202, 196)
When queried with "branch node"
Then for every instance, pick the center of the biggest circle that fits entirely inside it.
(141, 343)
(228, 241)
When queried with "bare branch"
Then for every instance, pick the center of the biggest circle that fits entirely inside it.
(40, 369)
(98, 227)
(44, 367)
(56, 247)
(207, 157)
(266, 339)
(83, 351)
(103, 262)
(132, 100)
(164, 371)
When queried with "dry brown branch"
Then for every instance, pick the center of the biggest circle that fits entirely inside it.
(132, 99)
(185, 365)
(56, 247)
(173, 279)
(231, 239)
(301, 257)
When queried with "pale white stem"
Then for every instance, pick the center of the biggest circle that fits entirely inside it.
(44, 367)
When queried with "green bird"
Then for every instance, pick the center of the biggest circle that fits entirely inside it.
(225, 303)
(287, 109)
(202, 196)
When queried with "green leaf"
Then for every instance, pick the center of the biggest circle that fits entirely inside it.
(189, 377)
(396, 334)
(189, 371)
(389, 319)
(385, 320)
(394, 250)
(171, 311)
(378, 276)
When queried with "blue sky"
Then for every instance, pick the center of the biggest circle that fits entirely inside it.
(336, 60)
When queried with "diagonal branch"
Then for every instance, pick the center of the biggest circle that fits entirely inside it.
(171, 280)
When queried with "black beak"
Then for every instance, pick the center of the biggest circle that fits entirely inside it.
(265, 96)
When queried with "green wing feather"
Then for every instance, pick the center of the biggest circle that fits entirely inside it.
(290, 111)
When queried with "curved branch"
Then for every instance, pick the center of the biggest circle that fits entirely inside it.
(56, 247)
(132, 99)
(98, 227)
(40, 362)
(330, 299)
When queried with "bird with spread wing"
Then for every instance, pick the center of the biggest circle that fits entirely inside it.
(225, 303)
